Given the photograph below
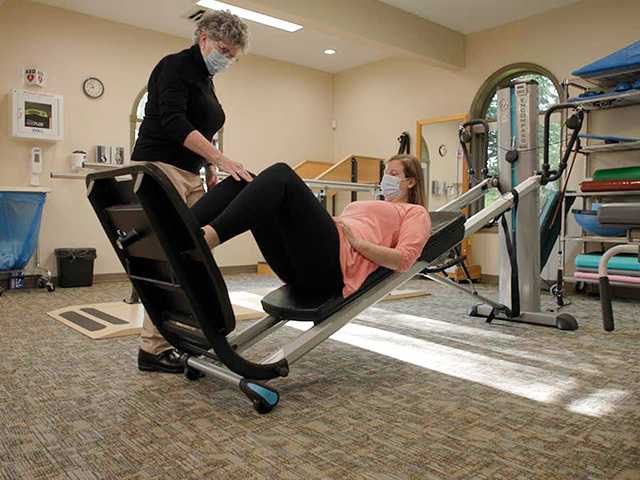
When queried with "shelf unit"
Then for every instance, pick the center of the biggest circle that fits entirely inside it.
(628, 98)
(597, 239)
(612, 147)
(67, 175)
(103, 166)
(612, 100)
(88, 168)
(628, 193)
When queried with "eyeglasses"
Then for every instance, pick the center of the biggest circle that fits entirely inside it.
(227, 52)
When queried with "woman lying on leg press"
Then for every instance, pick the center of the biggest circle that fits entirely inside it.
(303, 244)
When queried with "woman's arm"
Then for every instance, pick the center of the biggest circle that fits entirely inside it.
(196, 142)
(412, 237)
(383, 256)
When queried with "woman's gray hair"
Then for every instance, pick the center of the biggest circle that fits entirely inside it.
(222, 25)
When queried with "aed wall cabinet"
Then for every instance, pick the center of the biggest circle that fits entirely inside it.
(37, 116)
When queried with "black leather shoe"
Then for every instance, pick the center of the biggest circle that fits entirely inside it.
(169, 361)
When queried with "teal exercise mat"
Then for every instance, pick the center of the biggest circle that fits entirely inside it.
(619, 262)
(609, 71)
(622, 173)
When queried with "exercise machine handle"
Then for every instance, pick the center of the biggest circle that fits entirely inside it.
(574, 123)
(465, 136)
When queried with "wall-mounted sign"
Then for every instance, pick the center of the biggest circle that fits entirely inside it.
(33, 76)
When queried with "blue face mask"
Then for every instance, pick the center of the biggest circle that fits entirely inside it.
(216, 62)
(390, 186)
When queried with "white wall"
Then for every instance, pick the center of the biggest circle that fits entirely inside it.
(375, 102)
(275, 112)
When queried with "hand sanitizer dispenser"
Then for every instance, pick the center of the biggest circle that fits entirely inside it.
(36, 166)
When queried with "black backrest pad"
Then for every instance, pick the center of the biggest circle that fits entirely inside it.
(170, 265)
(447, 231)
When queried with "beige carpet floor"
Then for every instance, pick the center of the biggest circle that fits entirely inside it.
(410, 390)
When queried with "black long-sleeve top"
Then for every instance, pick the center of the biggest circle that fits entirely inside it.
(181, 99)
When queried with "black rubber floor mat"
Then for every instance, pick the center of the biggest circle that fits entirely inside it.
(104, 316)
(82, 321)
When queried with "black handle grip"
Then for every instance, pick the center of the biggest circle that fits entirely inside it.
(128, 238)
(605, 303)
(465, 136)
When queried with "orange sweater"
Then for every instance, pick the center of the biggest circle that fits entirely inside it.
(403, 226)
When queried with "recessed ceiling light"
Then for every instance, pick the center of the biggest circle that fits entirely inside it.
(329, 51)
(251, 15)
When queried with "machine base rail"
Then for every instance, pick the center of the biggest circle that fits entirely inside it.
(562, 321)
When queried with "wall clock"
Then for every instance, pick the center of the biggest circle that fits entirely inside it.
(93, 87)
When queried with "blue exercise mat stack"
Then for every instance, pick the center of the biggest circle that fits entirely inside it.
(20, 215)
(615, 73)
(618, 265)
(621, 269)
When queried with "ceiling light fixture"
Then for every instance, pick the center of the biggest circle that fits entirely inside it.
(329, 51)
(251, 15)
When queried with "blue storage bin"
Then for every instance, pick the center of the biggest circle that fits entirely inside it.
(20, 215)
(588, 220)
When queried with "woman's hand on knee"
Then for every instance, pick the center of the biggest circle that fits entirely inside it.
(235, 169)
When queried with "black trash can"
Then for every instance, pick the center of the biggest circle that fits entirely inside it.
(75, 266)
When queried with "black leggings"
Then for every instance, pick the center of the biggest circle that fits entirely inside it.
(296, 235)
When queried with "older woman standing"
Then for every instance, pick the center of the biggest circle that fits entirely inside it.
(181, 117)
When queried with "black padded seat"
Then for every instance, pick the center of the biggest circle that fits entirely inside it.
(447, 231)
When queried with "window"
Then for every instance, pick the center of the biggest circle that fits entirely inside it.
(141, 103)
(485, 106)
